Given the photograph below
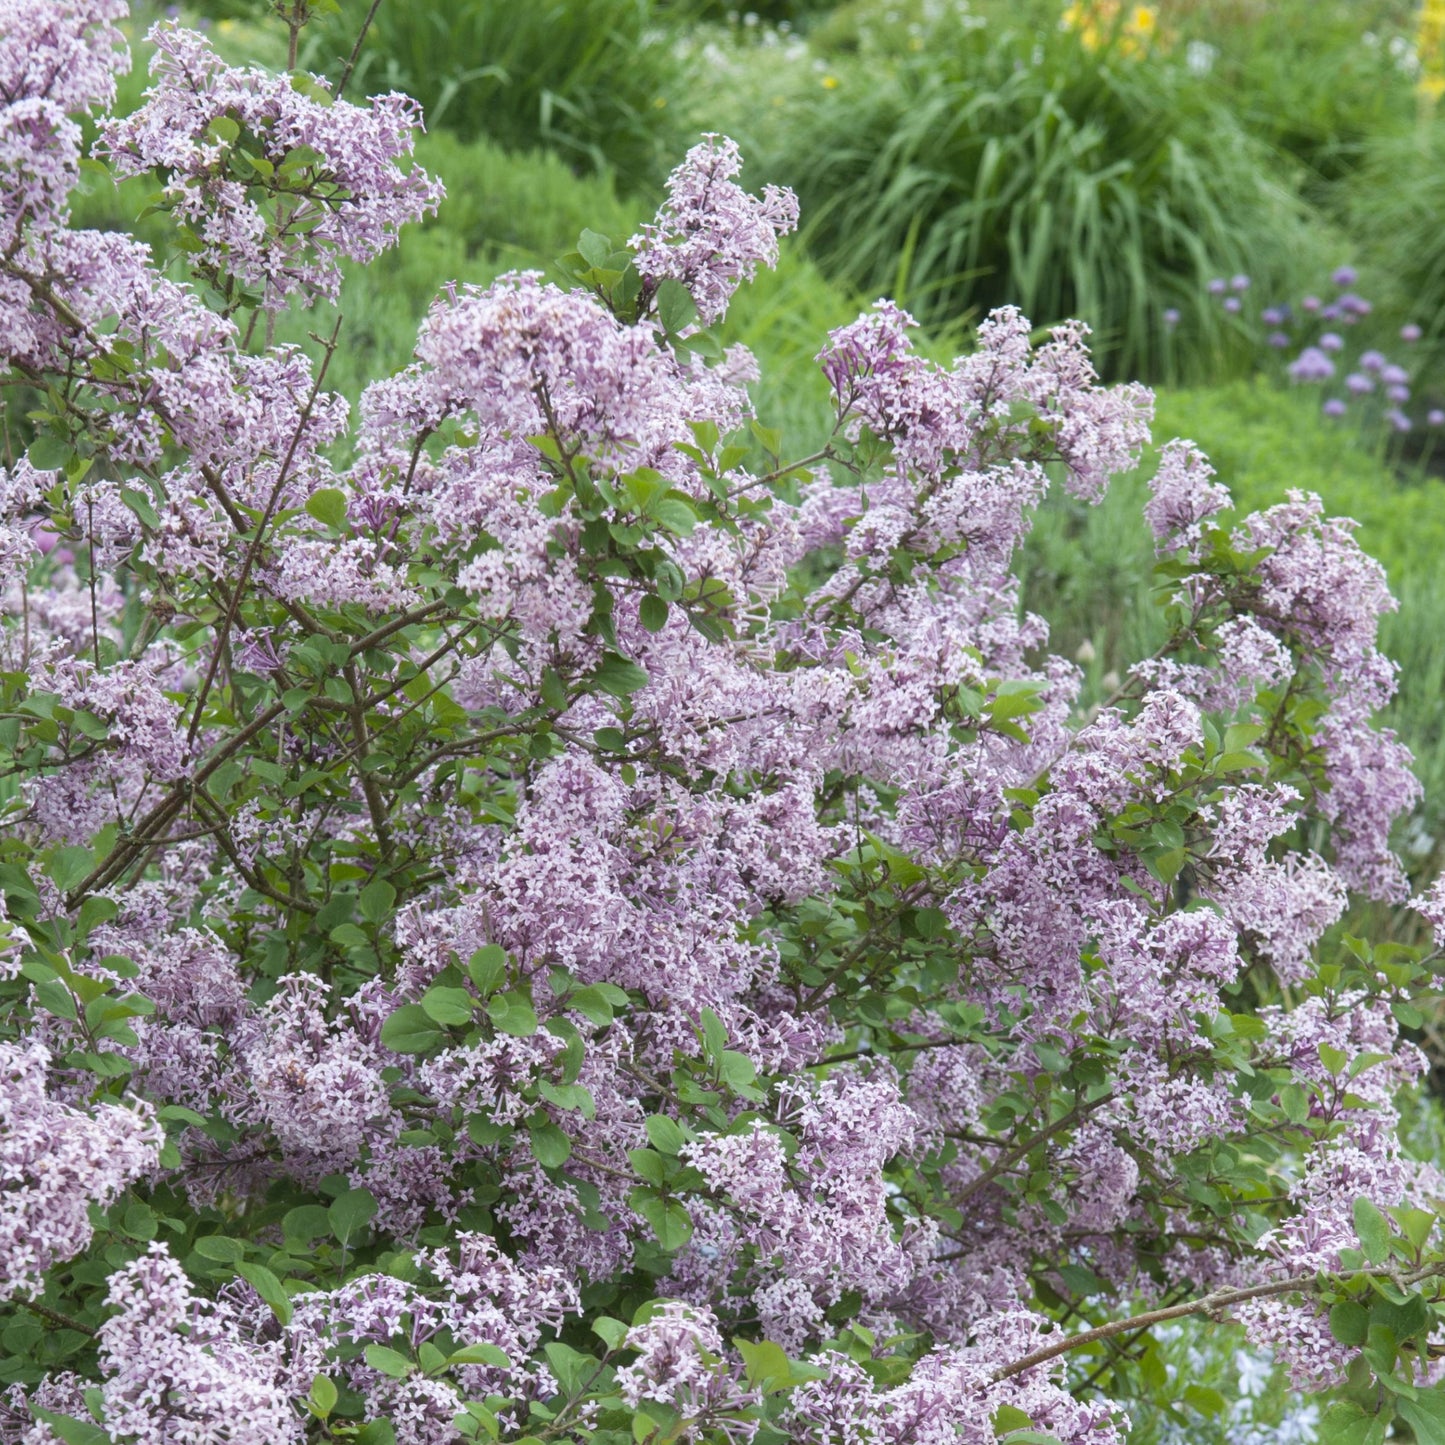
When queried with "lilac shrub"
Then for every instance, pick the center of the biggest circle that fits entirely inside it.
(530, 917)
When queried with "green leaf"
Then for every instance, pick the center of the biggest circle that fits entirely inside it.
(388, 1361)
(448, 1005)
(410, 1030)
(1373, 1229)
(480, 1354)
(670, 1222)
(1344, 1423)
(1425, 1416)
(930, 922)
(323, 1396)
(1349, 1322)
(595, 249)
(328, 506)
(594, 1004)
(512, 1013)
(305, 1223)
(69, 866)
(375, 1432)
(619, 677)
(377, 900)
(652, 613)
(1295, 1103)
(220, 1248)
(269, 1288)
(487, 969)
(350, 1213)
(767, 1365)
(550, 1145)
(665, 1134)
(48, 453)
(675, 306)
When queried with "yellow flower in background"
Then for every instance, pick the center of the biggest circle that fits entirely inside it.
(1101, 22)
(1430, 48)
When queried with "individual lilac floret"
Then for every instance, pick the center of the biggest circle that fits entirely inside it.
(1435, 417)
(55, 1162)
(1218, 286)
(1344, 276)
(1394, 375)
(1410, 332)
(1398, 393)
(1273, 315)
(1331, 312)
(1372, 360)
(709, 233)
(1398, 419)
(1353, 305)
(1310, 303)
(1171, 316)
(1184, 498)
(1312, 365)
(1331, 341)
(1333, 407)
(336, 190)
(1239, 283)
(1358, 384)
(1233, 304)
(1279, 340)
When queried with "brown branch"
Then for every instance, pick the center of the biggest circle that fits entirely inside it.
(1212, 1304)
(356, 49)
(56, 1318)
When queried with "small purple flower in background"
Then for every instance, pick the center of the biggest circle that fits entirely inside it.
(1398, 393)
(1372, 360)
(1359, 383)
(1394, 375)
(1397, 419)
(1279, 339)
(1331, 313)
(1274, 315)
(1344, 276)
(1310, 303)
(1232, 304)
(1410, 332)
(1330, 341)
(1435, 417)
(1333, 407)
(1353, 305)
(1239, 283)
(1218, 286)
(1171, 316)
(1311, 365)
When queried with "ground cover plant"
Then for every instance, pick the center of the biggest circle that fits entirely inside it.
(533, 913)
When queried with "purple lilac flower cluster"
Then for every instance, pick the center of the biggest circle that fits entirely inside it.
(560, 856)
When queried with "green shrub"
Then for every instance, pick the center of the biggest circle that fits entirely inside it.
(601, 82)
(1317, 79)
(961, 167)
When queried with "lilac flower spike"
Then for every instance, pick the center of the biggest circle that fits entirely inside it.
(710, 234)
(345, 195)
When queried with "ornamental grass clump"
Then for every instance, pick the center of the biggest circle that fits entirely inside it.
(532, 916)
